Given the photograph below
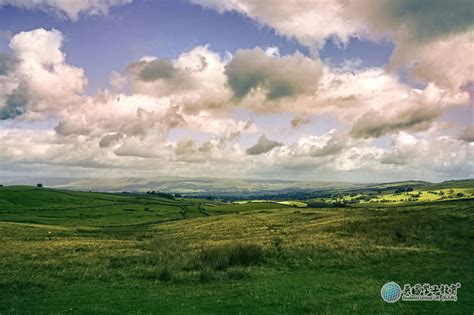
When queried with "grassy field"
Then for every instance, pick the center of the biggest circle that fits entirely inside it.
(81, 252)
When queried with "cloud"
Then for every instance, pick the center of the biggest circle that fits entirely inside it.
(7, 64)
(117, 81)
(438, 154)
(262, 146)
(374, 124)
(73, 127)
(129, 115)
(314, 22)
(160, 69)
(445, 62)
(200, 82)
(298, 121)
(195, 79)
(315, 157)
(221, 126)
(415, 20)
(36, 79)
(110, 139)
(148, 146)
(425, 34)
(467, 134)
(278, 76)
(199, 92)
(188, 150)
(153, 70)
(139, 125)
(311, 22)
(332, 143)
(71, 9)
(15, 104)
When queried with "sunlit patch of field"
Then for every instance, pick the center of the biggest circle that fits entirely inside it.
(425, 195)
(291, 203)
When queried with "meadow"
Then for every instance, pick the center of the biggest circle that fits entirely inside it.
(85, 252)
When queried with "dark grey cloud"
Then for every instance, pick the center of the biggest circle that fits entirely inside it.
(7, 64)
(427, 19)
(467, 134)
(72, 127)
(150, 71)
(15, 104)
(280, 76)
(110, 139)
(262, 146)
(335, 144)
(190, 151)
(161, 76)
(374, 124)
(395, 158)
(297, 122)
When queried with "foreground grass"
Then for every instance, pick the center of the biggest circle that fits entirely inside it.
(260, 260)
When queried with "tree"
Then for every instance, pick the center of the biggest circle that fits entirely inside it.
(39, 185)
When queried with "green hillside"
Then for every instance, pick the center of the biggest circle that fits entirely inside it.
(50, 206)
(83, 252)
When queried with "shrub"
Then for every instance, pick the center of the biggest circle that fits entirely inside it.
(245, 255)
(165, 275)
(399, 235)
(214, 258)
(222, 257)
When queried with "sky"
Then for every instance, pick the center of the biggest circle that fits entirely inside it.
(341, 90)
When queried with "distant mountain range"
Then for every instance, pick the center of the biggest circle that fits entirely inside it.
(207, 186)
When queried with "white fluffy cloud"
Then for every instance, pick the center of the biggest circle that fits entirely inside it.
(70, 8)
(194, 80)
(40, 80)
(446, 62)
(438, 154)
(311, 22)
(329, 144)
